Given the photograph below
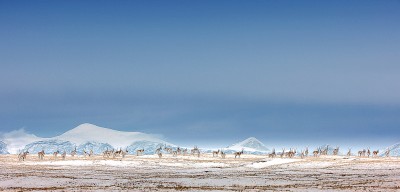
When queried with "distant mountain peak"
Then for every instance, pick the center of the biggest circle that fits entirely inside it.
(93, 133)
(82, 128)
(249, 144)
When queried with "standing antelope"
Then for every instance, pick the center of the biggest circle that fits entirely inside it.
(387, 153)
(302, 154)
(107, 153)
(272, 154)
(316, 152)
(291, 153)
(55, 154)
(22, 155)
(63, 155)
(223, 155)
(158, 150)
(185, 151)
(91, 153)
(85, 153)
(124, 153)
(349, 152)
(41, 155)
(306, 152)
(117, 153)
(368, 153)
(139, 152)
(73, 153)
(283, 153)
(375, 153)
(336, 151)
(325, 151)
(195, 151)
(237, 154)
(168, 149)
(159, 154)
(215, 153)
(362, 153)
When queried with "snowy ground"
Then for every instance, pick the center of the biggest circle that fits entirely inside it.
(187, 173)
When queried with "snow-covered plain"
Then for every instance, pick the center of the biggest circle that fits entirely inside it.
(205, 173)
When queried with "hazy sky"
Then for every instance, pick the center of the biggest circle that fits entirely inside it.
(204, 71)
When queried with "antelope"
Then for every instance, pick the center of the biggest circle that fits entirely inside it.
(22, 156)
(107, 153)
(362, 153)
(306, 152)
(178, 151)
(63, 155)
(316, 152)
(85, 153)
(387, 153)
(292, 153)
(195, 150)
(237, 154)
(336, 151)
(91, 153)
(375, 153)
(368, 153)
(174, 153)
(168, 149)
(117, 153)
(123, 153)
(41, 155)
(55, 154)
(73, 153)
(185, 151)
(159, 154)
(272, 154)
(215, 153)
(302, 154)
(325, 151)
(158, 150)
(283, 153)
(223, 154)
(139, 152)
(349, 153)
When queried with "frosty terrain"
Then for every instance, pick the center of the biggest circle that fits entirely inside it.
(204, 173)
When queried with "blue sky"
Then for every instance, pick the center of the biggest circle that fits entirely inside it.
(204, 71)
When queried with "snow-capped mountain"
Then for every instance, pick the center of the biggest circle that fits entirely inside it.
(49, 146)
(85, 136)
(149, 146)
(3, 148)
(97, 147)
(118, 139)
(249, 145)
(394, 150)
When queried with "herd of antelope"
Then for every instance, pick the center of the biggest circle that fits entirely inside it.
(324, 151)
(196, 152)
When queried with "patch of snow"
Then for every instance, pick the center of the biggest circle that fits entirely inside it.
(272, 162)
